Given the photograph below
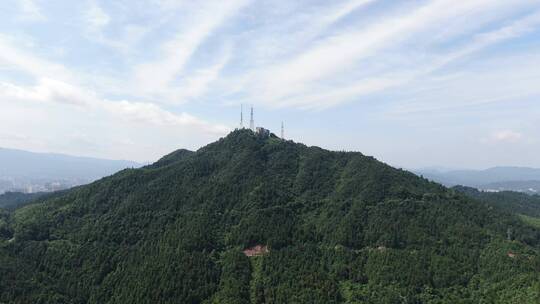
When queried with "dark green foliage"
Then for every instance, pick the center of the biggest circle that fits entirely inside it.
(235, 279)
(171, 158)
(12, 200)
(340, 227)
(296, 274)
(513, 202)
(274, 226)
(527, 207)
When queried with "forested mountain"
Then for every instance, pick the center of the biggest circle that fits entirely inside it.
(336, 227)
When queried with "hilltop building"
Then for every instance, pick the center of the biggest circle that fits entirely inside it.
(261, 131)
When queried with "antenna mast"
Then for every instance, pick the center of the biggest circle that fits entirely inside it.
(251, 122)
(282, 131)
(241, 116)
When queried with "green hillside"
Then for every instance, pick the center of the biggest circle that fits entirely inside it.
(510, 201)
(533, 221)
(340, 227)
(13, 200)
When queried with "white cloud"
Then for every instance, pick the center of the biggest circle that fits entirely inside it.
(331, 65)
(396, 77)
(54, 111)
(492, 81)
(47, 90)
(150, 113)
(158, 76)
(168, 5)
(508, 136)
(96, 17)
(15, 57)
(343, 10)
(135, 67)
(341, 51)
(30, 11)
(57, 84)
(53, 91)
(53, 85)
(199, 80)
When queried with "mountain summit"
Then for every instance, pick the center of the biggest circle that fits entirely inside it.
(253, 219)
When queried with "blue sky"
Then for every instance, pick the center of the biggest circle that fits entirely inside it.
(413, 83)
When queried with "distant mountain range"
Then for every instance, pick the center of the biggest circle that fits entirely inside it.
(34, 172)
(520, 179)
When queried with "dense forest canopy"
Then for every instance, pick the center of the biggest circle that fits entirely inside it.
(12, 200)
(510, 201)
(340, 227)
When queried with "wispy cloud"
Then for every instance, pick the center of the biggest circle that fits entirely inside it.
(294, 81)
(57, 84)
(506, 136)
(158, 76)
(18, 58)
(495, 80)
(96, 17)
(182, 65)
(30, 11)
(198, 81)
(400, 77)
(54, 91)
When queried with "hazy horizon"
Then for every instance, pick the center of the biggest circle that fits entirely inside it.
(415, 84)
(435, 168)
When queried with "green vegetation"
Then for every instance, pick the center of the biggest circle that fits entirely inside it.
(11, 200)
(510, 201)
(533, 221)
(341, 228)
(526, 207)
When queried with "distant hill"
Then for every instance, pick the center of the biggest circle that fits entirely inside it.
(529, 187)
(35, 172)
(520, 179)
(256, 219)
